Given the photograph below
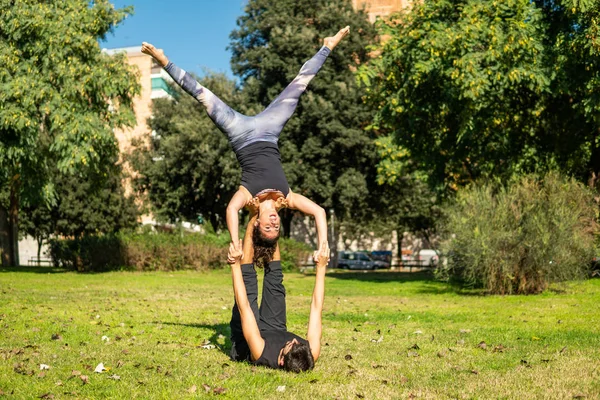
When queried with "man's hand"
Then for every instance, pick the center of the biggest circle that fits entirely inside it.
(322, 254)
(235, 253)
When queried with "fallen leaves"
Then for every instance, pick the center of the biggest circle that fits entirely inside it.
(56, 336)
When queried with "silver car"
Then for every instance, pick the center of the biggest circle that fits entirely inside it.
(355, 260)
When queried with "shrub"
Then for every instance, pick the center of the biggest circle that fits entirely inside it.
(293, 253)
(147, 251)
(518, 239)
(140, 251)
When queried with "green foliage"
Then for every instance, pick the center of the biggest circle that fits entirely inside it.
(520, 238)
(189, 168)
(150, 251)
(489, 88)
(60, 97)
(83, 206)
(294, 254)
(140, 252)
(57, 86)
(326, 154)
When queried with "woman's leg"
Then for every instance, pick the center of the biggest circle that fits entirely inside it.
(275, 116)
(236, 126)
(239, 349)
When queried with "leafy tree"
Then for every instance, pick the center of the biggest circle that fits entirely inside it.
(326, 154)
(490, 88)
(188, 167)
(61, 98)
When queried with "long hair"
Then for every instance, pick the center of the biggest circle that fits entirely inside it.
(264, 248)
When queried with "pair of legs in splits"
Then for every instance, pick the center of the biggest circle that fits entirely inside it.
(260, 335)
(254, 141)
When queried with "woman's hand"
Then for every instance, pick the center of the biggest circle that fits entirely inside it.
(280, 203)
(253, 206)
(235, 253)
(322, 253)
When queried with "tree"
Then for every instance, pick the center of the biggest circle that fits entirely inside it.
(61, 99)
(490, 88)
(188, 167)
(326, 154)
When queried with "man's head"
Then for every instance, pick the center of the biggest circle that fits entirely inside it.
(296, 357)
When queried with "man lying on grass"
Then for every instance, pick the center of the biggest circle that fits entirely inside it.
(260, 336)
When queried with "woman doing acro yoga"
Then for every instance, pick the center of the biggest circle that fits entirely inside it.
(254, 141)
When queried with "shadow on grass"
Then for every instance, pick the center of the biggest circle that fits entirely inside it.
(428, 283)
(34, 270)
(217, 330)
(378, 276)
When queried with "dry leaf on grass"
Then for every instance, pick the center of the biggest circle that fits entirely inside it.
(192, 389)
(85, 379)
(281, 389)
(482, 345)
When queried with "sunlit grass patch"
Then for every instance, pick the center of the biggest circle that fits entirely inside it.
(386, 336)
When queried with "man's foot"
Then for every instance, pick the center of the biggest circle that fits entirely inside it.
(333, 41)
(158, 55)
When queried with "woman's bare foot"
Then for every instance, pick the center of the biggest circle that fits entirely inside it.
(158, 55)
(333, 41)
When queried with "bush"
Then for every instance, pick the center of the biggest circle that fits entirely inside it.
(293, 253)
(140, 252)
(156, 252)
(520, 238)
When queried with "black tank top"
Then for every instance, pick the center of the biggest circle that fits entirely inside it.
(274, 342)
(261, 168)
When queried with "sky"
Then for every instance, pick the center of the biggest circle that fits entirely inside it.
(193, 33)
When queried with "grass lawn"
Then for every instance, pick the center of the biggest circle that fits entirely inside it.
(386, 336)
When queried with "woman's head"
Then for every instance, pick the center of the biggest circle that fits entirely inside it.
(264, 247)
(268, 222)
(297, 357)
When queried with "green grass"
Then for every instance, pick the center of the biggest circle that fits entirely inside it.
(545, 346)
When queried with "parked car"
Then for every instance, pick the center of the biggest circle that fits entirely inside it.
(382, 258)
(355, 260)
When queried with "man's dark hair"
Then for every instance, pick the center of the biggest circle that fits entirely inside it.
(264, 248)
(299, 358)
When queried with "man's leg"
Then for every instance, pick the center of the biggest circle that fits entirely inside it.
(239, 348)
(272, 305)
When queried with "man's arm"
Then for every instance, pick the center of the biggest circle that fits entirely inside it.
(298, 202)
(316, 307)
(249, 326)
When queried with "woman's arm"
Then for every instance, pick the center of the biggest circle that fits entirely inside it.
(237, 202)
(316, 307)
(249, 326)
(298, 202)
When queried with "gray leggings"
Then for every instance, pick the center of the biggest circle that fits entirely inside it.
(242, 130)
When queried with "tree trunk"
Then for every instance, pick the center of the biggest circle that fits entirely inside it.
(4, 237)
(13, 221)
(40, 243)
(399, 237)
(286, 222)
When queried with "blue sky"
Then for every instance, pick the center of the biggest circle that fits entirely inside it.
(193, 33)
